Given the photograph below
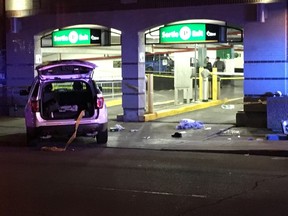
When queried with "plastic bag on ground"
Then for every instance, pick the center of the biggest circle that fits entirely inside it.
(117, 127)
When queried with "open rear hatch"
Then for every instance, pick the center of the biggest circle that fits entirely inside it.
(66, 91)
(65, 69)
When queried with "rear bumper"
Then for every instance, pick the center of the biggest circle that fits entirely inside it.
(63, 130)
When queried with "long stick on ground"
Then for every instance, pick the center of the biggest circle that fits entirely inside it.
(82, 113)
(54, 148)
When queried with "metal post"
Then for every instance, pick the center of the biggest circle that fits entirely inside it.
(113, 93)
(200, 85)
(194, 83)
(195, 78)
(205, 89)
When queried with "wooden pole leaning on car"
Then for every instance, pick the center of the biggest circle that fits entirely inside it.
(56, 149)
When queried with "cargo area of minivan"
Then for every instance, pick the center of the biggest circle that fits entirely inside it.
(66, 100)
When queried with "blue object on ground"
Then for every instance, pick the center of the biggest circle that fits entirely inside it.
(276, 137)
(189, 124)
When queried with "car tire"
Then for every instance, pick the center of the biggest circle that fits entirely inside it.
(102, 137)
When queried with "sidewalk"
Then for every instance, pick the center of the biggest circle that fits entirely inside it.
(223, 138)
(219, 134)
(156, 135)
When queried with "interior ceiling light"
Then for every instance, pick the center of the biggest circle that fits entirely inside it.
(18, 4)
(18, 8)
(216, 22)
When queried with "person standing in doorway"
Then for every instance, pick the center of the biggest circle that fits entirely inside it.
(208, 64)
(220, 65)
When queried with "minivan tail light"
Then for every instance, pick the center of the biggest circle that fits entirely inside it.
(34, 104)
(100, 102)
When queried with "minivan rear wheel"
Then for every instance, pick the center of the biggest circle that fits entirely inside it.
(102, 137)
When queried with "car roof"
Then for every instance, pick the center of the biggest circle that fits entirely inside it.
(65, 69)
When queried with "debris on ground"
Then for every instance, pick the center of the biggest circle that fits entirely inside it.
(227, 106)
(259, 139)
(189, 124)
(117, 127)
(53, 148)
(177, 135)
(231, 132)
(56, 149)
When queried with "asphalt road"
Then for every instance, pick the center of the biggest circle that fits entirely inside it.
(110, 181)
(132, 180)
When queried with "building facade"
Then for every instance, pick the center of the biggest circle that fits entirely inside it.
(265, 27)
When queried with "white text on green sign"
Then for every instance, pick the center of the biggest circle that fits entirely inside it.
(183, 33)
(70, 37)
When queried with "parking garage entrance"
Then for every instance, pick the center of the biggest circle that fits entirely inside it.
(175, 56)
(176, 62)
(94, 43)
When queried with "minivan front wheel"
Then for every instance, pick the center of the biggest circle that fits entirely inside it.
(102, 137)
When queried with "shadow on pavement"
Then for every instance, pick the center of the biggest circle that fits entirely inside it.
(13, 140)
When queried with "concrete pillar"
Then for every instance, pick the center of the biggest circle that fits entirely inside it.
(133, 76)
(265, 58)
(20, 67)
(265, 63)
(37, 52)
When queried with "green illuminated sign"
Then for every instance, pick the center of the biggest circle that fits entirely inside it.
(189, 33)
(182, 33)
(74, 37)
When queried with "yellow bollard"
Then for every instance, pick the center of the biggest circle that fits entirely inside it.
(150, 91)
(214, 84)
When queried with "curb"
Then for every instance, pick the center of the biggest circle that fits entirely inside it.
(273, 153)
(177, 111)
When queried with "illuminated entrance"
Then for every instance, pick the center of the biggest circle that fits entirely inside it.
(187, 44)
(93, 43)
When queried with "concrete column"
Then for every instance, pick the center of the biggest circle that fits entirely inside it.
(37, 52)
(133, 75)
(3, 89)
(265, 58)
(20, 67)
(265, 64)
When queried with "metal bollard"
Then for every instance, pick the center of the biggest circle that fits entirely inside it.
(205, 75)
